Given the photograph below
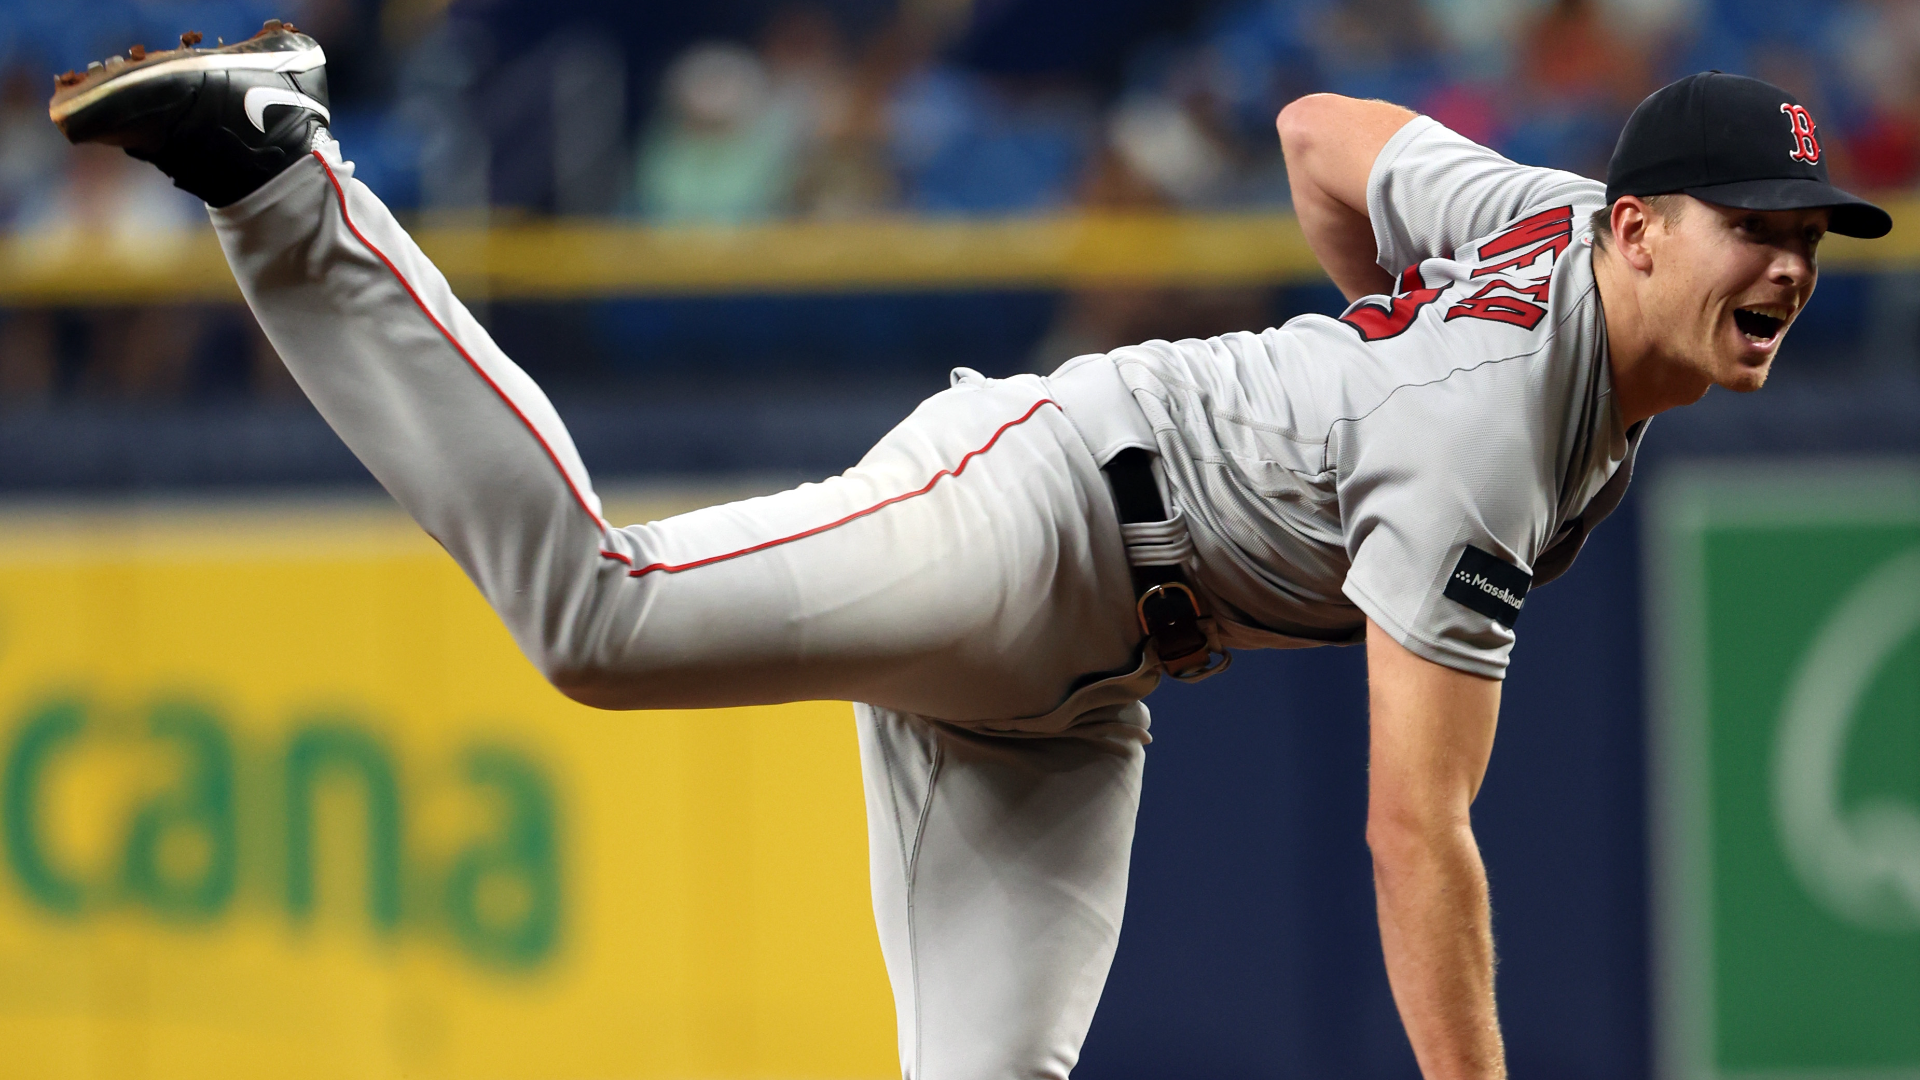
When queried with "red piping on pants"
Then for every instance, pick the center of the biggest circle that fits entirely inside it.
(461, 349)
(666, 568)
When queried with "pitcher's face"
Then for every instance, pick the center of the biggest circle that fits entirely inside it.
(1727, 283)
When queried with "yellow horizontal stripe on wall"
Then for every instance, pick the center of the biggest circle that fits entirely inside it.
(575, 259)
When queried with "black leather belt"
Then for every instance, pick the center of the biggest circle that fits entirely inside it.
(1168, 608)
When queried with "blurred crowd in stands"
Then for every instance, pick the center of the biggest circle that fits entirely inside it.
(835, 109)
(734, 113)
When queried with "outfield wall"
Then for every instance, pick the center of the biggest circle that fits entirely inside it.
(281, 798)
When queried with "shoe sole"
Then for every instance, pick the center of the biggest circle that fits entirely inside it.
(71, 100)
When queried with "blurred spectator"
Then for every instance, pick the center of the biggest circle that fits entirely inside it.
(840, 109)
(31, 149)
(1884, 148)
(1881, 40)
(1364, 32)
(1379, 48)
(727, 148)
(1167, 148)
(965, 143)
(1578, 78)
(107, 206)
(807, 67)
(436, 103)
(1480, 35)
(845, 169)
(1573, 55)
(1165, 144)
(1203, 133)
(106, 209)
(1727, 34)
(960, 141)
(1480, 111)
(1250, 59)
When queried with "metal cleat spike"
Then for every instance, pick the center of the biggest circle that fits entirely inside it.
(197, 112)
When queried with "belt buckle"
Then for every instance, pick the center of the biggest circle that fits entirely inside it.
(1170, 615)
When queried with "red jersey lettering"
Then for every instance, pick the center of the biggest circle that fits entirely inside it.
(1375, 323)
(1548, 230)
(1487, 304)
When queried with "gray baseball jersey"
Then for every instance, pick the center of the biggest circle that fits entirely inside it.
(1417, 460)
(1422, 461)
(1424, 458)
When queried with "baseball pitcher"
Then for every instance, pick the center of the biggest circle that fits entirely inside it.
(1005, 576)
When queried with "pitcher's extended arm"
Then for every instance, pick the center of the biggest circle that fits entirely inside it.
(1432, 730)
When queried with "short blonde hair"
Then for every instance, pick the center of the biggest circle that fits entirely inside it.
(1667, 206)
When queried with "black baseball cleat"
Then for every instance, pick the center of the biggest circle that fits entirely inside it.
(220, 121)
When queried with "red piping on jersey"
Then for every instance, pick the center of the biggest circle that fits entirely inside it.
(462, 350)
(674, 568)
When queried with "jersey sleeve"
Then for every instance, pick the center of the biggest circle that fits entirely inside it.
(1432, 192)
(1443, 515)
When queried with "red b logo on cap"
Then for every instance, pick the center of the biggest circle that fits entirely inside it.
(1805, 147)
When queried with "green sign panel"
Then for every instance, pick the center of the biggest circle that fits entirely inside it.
(1785, 607)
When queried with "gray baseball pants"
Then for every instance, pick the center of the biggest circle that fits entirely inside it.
(967, 581)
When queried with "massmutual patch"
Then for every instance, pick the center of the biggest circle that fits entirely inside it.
(1489, 585)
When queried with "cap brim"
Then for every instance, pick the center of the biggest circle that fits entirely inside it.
(1852, 215)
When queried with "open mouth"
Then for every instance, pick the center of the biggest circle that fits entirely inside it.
(1762, 323)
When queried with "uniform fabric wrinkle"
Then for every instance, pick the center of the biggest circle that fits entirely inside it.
(1328, 478)
(968, 582)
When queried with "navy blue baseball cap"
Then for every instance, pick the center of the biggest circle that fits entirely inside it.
(1734, 141)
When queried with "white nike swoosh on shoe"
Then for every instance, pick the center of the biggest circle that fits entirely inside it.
(260, 98)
